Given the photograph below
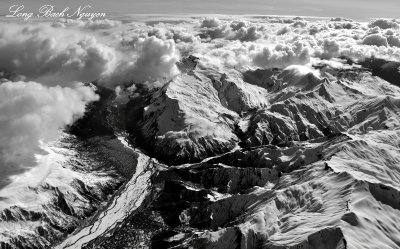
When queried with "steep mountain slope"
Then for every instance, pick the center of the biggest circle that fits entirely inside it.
(197, 121)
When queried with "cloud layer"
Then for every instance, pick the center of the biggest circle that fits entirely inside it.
(31, 113)
(64, 52)
(51, 56)
(113, 52)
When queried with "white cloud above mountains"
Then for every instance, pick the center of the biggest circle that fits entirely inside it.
(213, 28)
(285, 41)
(31, 113)
(67, 54)
(53, 56)
(155, 59)
(283, 55)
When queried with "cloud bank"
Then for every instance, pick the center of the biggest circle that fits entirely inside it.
(64, 54)
(155, 59)
(52, 56)
(31, 113)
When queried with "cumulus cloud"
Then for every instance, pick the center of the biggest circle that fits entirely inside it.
(331, 49)
(93, 25)
(281, 44)
(341, 19)
(374, 30)
(247, 34)
(384, 24)
(393, 41)
(300, 23)
(52, 56)
(344, 25)
(178, 34)
(222, 54)
(31, 113)
(283, 30)
(283, 55)
(211, 23)
(375, 40)
(316, 28)
(88, 24)
(214, 28)
(155, 59)
(44, 54)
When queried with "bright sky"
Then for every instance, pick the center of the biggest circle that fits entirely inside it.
(356, 9)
